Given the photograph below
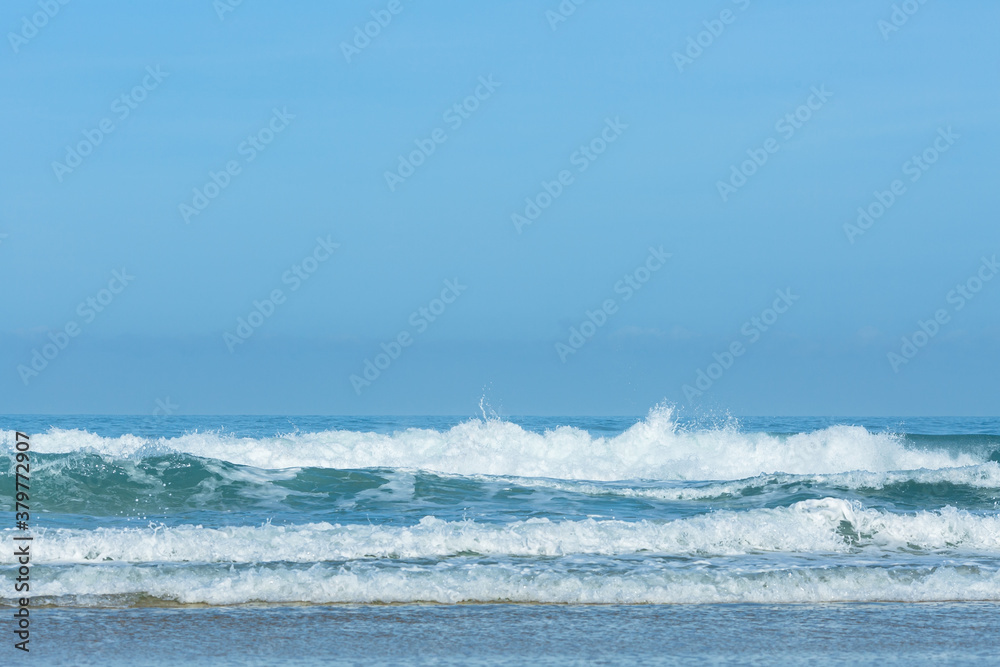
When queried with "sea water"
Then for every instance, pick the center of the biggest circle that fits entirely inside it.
(309, 540)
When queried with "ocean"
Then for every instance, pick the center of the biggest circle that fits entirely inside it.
(432, 540)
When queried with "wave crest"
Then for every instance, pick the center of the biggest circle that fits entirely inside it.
(827, 525)
(654, 448)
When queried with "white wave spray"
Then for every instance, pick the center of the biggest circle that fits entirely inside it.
(654, 448)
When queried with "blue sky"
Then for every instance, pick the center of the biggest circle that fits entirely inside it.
(260, 108)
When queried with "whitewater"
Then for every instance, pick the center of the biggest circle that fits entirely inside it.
(134, 511)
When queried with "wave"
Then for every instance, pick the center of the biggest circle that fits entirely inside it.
(654, 448)
(828, 525)
(984, 476)
(508, 582)
(183, 488)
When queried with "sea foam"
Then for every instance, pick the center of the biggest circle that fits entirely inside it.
(828, 525)
(654, 448)
(366, 582)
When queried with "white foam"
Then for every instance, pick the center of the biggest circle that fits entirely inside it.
(810, 526)
(513, 582)
(651, 449)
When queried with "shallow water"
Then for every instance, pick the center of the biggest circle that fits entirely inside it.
(829, 634)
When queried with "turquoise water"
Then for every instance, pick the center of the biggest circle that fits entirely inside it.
(230, 523)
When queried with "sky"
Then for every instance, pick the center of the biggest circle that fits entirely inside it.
(399, 207)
